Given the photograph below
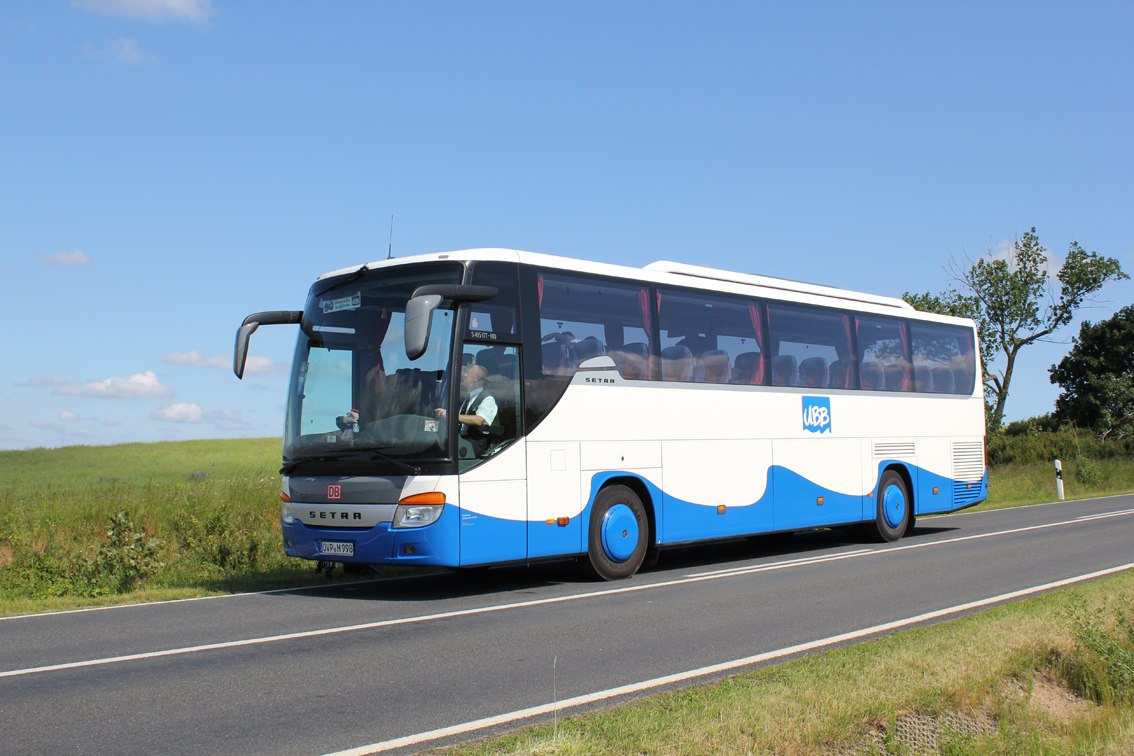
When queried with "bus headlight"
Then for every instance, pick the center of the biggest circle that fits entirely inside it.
(419, 510)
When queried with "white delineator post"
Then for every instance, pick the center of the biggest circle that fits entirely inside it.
(1059, 479)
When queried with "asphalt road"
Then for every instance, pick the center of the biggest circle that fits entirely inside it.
(406, 664)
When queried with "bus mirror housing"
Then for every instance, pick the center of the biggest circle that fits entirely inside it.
(426, 299)
(249, 326)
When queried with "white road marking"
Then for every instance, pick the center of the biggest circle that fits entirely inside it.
(657, 682)
(684, 580)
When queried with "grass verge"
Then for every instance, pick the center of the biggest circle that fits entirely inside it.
(1053, 674)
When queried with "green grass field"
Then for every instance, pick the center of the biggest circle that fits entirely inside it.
(1042, 676)
(203, 516)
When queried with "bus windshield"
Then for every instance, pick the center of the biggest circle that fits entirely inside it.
(354, 394)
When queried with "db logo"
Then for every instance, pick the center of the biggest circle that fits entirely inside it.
(334, 492)
(817, 414)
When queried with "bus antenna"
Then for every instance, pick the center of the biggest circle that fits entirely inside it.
(390, 247)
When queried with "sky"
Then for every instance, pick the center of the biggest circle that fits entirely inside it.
(170, 166)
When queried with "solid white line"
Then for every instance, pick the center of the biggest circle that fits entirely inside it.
(657, 682)
(164, 602)
(684, 580)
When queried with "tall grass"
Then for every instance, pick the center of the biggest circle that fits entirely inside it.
(85, 523)
(95, 521)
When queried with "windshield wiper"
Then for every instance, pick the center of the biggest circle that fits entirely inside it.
(353, 454)
(349, 279)
(411, 469)
(289, 466)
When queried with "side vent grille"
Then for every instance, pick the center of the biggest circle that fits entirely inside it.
(895, 450)
(968, 472)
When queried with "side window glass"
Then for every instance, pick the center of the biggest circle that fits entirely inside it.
(811, 347)
(942, 358)
(488, 413)
(498, 318)
(710, 338)
(884, 354)
(581, 318)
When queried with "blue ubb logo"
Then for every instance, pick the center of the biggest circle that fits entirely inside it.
(817, 414)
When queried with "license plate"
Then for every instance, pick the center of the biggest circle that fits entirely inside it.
(338, 548)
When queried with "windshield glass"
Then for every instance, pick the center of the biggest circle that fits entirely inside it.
(354, 394)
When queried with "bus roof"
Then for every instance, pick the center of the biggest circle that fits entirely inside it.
(662, 271)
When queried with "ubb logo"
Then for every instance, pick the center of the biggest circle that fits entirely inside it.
(817, 414)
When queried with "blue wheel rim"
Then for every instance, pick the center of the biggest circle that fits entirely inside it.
(893, 506)
(619, 533)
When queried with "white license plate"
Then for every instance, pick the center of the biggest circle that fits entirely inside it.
(338, 548)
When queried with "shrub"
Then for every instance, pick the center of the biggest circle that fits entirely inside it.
(126, 557)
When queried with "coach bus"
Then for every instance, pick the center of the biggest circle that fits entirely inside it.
(635, 409)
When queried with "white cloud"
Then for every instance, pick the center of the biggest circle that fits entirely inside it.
(228, 420)
(68, 417)
(137, 385)
(125, 50)
(194, 359)
(45, 382)
(75, 257)
(182, 412)
(194, 11)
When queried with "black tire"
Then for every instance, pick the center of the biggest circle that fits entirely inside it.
(618, 534)
(893, 509)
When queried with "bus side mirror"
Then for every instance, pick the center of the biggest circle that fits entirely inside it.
(426, 299)
(419, 319)
(249, 326)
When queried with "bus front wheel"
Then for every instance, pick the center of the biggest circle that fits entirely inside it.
(894, 507)
(617, 535)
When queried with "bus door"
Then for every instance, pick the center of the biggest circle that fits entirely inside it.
(491, 457)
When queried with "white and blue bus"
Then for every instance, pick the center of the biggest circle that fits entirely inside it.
(635, 409)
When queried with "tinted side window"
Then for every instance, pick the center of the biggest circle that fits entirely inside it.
(810, 347)
(884, 354)
(943, 358)
(710, 338)
(498, 318)
(582, 317)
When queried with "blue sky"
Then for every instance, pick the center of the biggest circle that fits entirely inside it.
(170, 166)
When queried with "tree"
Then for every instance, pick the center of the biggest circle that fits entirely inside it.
(1016, 303)
(1097, 376)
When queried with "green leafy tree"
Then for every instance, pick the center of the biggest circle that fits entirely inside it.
(1097, 376)
(1015, 303)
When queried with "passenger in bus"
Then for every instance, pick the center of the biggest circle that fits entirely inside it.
(374, 394)
(813, 372)
(630, 360)
(873, 379)
(784, 370)
(677, 364)
(840, 374)
(713, 367)
(478, 410)
(923, 379)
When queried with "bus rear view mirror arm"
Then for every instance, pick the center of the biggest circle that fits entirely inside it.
(426, 299)
(250, 324)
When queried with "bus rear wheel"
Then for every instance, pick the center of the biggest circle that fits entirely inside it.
(893, 512)
(617, 535)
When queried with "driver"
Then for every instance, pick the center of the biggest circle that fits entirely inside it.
(478, 410)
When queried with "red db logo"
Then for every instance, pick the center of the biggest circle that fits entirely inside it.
(334, 492)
